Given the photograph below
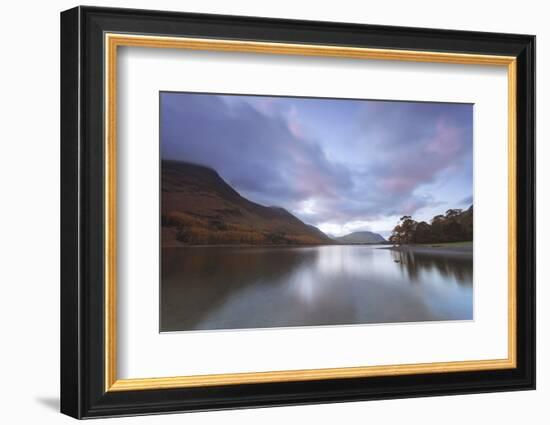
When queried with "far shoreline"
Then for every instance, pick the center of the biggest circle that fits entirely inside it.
(445, 248)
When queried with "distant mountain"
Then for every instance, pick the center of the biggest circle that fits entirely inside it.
(199, 208)
(363, 237)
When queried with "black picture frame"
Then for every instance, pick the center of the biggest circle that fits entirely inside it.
(83, 392)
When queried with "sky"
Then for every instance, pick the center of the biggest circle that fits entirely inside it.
(339, 164)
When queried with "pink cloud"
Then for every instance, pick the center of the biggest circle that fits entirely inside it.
(446, 143)
(293, 123)
(398, 184)
(420, 163)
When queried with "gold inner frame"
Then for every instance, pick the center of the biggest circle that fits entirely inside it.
(113, 41)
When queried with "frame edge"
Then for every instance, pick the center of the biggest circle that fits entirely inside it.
(70, 349)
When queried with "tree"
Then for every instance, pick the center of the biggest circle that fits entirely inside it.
(404, 232)
(455, 226)
(423, 233)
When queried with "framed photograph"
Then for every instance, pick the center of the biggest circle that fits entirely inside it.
(261, 212)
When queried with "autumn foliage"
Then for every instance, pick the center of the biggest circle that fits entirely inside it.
(191, 230)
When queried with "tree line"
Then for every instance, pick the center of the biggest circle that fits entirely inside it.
(455, 226)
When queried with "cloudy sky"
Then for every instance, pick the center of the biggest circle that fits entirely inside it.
(341, 165)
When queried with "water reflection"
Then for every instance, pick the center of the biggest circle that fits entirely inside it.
(234, 288)
(452, 265)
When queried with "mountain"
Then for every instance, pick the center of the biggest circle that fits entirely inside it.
(199, 208)
(363, 237)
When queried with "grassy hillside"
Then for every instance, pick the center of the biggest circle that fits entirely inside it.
(198, 208)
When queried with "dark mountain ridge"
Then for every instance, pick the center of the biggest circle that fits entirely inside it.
(199, 208)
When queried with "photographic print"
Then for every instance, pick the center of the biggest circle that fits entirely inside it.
(300, 211)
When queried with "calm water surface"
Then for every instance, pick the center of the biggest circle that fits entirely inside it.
(255, 287)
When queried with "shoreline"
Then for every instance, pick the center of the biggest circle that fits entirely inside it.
(241, 245)
(436, 249)
(272, 245)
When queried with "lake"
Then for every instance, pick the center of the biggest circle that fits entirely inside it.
(206, 288)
